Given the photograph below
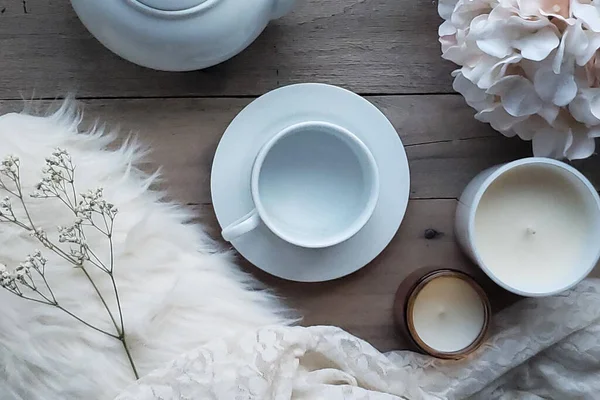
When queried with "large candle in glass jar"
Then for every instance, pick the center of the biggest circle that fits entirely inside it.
(532, 225)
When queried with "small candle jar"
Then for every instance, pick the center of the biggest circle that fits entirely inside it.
(531, 225)
(442, 312)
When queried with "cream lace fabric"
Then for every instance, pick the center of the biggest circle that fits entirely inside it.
(545, 348)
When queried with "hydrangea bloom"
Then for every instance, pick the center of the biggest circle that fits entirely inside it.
(530, 68)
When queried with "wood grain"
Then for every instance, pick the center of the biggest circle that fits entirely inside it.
(446, 148)
(369, 46)
(362, 303)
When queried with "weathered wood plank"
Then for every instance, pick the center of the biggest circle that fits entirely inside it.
(446, 148)
(369, 46)
(445, 145)
(362, 303)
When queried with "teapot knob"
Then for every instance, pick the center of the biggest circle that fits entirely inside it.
(281, 8)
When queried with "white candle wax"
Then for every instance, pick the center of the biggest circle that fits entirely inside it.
(448, 314)
(532, 227)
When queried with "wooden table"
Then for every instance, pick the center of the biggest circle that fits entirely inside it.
(386, 50)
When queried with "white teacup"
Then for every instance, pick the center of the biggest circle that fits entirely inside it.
(314, 184)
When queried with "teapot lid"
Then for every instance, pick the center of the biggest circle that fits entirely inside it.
(171, 5)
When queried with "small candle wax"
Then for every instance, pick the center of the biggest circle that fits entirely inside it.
(448, 314)
(531, 228)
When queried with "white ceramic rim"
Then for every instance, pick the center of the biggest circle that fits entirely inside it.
(205, 4)
(360, 221)
(483, 188)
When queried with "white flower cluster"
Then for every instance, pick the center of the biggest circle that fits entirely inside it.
(10, 165)
(42, 236)
(22, 274)
(530, 68)
(7, 278)
(36, 261)
(9, 168)
(71, 234)
(58, 171)
(6, 208)
(93, 201)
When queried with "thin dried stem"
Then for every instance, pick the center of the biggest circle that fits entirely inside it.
(112, 318)
(60, 173)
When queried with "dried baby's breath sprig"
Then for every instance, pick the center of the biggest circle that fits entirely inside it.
(6, 209)
(90, 210)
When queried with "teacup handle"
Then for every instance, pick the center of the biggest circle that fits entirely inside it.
(242, 226)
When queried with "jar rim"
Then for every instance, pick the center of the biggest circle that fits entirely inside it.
(487, 310)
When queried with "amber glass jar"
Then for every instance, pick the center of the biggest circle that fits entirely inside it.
(404, 308)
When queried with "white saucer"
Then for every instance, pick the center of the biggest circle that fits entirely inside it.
(269, 114)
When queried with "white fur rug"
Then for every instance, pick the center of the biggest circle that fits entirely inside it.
(177, 289)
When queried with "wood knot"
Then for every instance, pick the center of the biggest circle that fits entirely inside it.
(430, 234)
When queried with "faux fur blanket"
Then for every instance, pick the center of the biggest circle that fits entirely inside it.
(178, 289)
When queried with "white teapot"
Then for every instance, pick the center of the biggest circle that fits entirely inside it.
(178, 35)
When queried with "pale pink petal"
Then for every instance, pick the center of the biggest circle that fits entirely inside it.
(499, 119)
(581, 77)
(594, 131)
(544, 7)
(530, 67)
(528, 24)
(593, 44)
(522, 100)
(511, 4)
(595, 102)
(475, 97)
(529, 7)
(585, 107)
(580, 110)
(527, 128)
(559, 89)
(559, 55)
(502, 12)
(446, 29)
(582, 145)
(568, 20)
(537, 46)
(485, 75)
(475, 73)
(550, 142)
(480, 28)
(447, 42)
(503, 84)
(518, 95)
(461, 55)
(492, 37)
(587, 13)
(465, 11)
(576, 41)
(499, 48)
(549, 112)
(445, 8)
